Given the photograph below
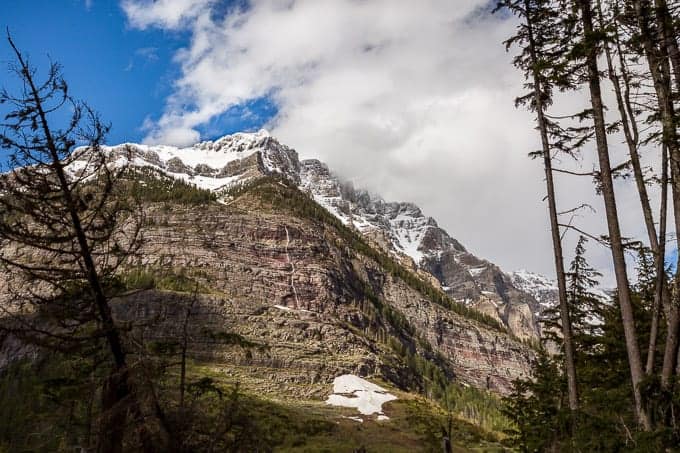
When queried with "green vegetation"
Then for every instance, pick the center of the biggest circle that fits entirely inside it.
(54, 404)
(49, 403)
(482, 408)
(150, 185)
(606, 419)
(163, 279)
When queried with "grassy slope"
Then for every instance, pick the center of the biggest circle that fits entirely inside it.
(270, 194)
(48, 412)
(36, 398)
(301, 425)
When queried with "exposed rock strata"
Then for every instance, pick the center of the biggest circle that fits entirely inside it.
(244, 256)
(398, 227)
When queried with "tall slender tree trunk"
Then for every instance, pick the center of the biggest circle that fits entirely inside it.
(668, 36)
(607, 186)
(621, 85)
(657, 60)
(661, 294)
(670, 52)
(567, 335)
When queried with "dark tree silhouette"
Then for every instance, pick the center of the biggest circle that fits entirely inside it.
(65, 229)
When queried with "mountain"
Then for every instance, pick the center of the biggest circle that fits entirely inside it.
(290, 245)
(543, 289)
(286, 284)
(399, 228)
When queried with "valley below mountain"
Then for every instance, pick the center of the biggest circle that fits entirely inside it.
(284, 277)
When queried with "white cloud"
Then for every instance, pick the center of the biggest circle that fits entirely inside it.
(163, 13)
(413, 100)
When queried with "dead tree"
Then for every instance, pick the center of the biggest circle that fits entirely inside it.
(64, 230)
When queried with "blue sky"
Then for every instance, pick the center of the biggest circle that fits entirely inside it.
(124, 73)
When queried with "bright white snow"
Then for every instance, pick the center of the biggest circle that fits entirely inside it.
(356, 419)
(352, 391)
(212, 154)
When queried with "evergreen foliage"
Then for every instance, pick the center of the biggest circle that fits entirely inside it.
(149, 185)
(606, 420)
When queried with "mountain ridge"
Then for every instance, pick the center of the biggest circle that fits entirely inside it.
(399, 228)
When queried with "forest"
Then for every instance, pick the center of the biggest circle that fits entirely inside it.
(614, 384)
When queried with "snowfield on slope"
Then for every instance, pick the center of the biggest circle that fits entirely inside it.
(352, 391)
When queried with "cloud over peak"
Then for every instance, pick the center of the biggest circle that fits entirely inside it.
(413, 100)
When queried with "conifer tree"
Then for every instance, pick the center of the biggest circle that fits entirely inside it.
(618, 48)
(535, 36)
(589, 50)
(583, 303)
(64, 234)
(536, 406)
(657, 36)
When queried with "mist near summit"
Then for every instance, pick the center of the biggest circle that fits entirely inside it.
(410, 100)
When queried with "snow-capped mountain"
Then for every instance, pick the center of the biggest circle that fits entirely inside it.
(212, 165)
(398, 227)
(543, 289)
(401, 226)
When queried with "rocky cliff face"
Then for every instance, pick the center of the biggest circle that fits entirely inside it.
(321, 278)
(318, 308)
(397, 227)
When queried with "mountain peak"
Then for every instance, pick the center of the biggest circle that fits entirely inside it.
(400, 228)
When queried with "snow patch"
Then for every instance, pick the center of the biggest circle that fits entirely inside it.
(356, 419)
(352, 391)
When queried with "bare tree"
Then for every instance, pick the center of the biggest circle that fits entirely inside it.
(64, 229)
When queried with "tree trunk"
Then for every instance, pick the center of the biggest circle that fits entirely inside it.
(661, 291)
(631, 134)
(670, 52)
(114, 413)
(657, 60)
(567, 335)
(607, 186)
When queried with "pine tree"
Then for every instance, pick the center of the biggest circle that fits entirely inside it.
(658, 38)
(539, 408)
(584, 304)
(589, 50)
(536, 36)
(619, 49)
(64, 235)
